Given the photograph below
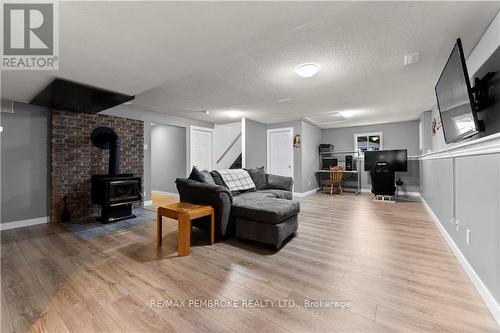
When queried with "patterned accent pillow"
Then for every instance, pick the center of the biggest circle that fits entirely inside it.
(237, 179)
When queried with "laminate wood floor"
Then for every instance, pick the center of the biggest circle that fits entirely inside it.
(388, 261)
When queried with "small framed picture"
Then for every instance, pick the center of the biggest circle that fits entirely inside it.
(296, 141)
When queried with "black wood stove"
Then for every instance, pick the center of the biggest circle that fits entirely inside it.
(114, 192)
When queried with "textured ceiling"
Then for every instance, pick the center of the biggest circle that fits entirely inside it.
(185, 58)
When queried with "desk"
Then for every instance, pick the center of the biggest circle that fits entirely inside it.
(320, 173)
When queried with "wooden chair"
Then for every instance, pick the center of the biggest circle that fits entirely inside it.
(335, 180)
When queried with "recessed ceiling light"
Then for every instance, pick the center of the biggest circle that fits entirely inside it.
(207, 112)
(307, 70)
(234, 113)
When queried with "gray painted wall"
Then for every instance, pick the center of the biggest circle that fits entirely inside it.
(24, 162)
(425, 134)
(400, 135)
(467, 188)
(311, 139)
(168, 156)
(255, 144)
(153, 117)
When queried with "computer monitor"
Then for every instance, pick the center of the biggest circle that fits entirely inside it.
(328, 162)
(397, 158)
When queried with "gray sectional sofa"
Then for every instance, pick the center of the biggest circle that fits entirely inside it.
(266, 214)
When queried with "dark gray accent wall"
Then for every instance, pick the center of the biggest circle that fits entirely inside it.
(255, 144)
(153, 117)
(24, 162)
(400, 135)
(168, 156)
(311, 139)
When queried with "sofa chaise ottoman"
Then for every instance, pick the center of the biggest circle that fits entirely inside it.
(266, 220)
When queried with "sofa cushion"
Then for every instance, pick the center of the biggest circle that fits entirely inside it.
(279, 182)
(259, 177)
(265, 210)
(281, 194)
(217, 178)
(201, 176)
(255, 195)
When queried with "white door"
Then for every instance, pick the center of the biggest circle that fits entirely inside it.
(280, 151)
(201, 148)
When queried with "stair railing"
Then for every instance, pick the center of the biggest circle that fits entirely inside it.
(228, 148)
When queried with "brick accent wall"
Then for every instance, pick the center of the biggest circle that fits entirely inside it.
(75, 159)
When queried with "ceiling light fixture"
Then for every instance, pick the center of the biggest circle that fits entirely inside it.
(350, 113)
(307, 70)
(234, 113)
(411, 58)
(206, 112)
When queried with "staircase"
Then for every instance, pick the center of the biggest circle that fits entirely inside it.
(237, 164)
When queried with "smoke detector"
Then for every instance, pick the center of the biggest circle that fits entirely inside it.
(411, 58)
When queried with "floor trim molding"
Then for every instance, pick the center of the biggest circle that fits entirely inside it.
(303, 194)
(488, 298)
(24, 223)
(148, 203)
(164, 193)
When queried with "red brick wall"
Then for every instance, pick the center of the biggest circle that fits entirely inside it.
(75, 159)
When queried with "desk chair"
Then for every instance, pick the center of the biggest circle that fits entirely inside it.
(335, 179)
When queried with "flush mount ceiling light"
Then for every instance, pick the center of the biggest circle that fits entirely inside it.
(307, 70)
(350, 113)
(234, 113)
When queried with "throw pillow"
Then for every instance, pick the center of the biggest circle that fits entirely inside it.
(201, 176)
(237, 179)
(258, 176)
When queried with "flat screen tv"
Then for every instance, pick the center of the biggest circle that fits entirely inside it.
(398, 159)
(454, 98)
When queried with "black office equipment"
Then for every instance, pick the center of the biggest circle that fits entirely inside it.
(455, 99)
(398, 159)
(382, 175)
(328, 162)
(348, 162)
(325, 148)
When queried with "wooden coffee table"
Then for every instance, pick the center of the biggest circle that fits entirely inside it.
(184, 213)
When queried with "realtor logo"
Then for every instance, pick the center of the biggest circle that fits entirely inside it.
(30, 36)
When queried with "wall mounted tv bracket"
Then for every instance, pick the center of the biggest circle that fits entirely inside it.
(481, 95)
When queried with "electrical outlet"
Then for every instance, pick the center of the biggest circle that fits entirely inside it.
(457, 223)
(146, 147)
(467, 236)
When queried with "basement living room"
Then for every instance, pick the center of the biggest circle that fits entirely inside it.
(250, 166)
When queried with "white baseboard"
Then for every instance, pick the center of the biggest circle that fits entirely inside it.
(24, 223)
(148, 203)
(303, 194)
(488, 298)
(165, 193)
(367, 190)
